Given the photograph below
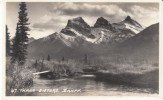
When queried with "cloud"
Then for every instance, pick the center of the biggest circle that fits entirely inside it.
(50, 23)
(142, 14)
(59, 13)
(111, 11)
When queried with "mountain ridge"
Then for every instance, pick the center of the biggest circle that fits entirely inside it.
(101, 32)
(100, 42)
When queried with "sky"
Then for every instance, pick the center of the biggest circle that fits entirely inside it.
(46, 18)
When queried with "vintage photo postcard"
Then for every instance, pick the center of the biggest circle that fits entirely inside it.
(82, 48)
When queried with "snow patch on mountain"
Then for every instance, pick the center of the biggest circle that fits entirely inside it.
(100, 39)
(129, 23)
(76, 32)
(133, 28)
(69, 38)
(66, 39)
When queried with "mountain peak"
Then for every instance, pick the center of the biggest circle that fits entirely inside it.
(77, 18)
(101, 18)
(77, 21)
(131, 21)
(102, 22)
(77, 24)
(128, 18)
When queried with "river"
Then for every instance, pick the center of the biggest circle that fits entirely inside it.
(86, 85)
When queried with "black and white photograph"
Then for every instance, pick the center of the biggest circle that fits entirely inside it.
(82, 49)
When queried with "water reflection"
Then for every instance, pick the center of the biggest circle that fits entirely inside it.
(88, 86)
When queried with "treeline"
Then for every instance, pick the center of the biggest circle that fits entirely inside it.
(85, 58)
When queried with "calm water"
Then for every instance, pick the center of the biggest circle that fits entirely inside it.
(85, 86)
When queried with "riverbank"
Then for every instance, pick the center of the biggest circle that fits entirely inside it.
(144, 80)
(142, 75)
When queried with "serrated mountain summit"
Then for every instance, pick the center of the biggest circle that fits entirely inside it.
(102, 31)
(78, 38)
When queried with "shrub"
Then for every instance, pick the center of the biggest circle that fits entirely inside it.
(17, 77)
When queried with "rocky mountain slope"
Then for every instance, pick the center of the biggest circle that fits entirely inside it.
(145, 44)
(78, 38)
(102, 32)
(130, 24)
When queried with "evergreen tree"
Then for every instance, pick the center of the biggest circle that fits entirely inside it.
(21, 38)
(36, 62)
(48, 58)
(63, 59)
(8, 48)
(86, 58)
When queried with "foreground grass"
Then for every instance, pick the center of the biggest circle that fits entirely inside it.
(17, 78)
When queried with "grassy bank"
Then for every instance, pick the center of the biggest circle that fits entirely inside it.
(141, 73)
(58, 69)
(17, 78)
(144, 80)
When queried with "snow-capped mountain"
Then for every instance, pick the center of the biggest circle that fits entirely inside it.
(109, 33)
(78, 38)
(102, 23)
(129, 23)
(76, 25)
(101, 32)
